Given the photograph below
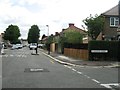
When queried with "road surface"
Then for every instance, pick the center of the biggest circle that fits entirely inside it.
(20, 69)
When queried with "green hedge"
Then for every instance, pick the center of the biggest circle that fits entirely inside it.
(76, 46)
(113, 48)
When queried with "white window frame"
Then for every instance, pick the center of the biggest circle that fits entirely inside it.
(115, 21)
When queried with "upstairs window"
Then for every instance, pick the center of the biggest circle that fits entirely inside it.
(114, 21)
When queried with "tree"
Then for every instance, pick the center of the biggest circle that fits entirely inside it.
(95, 25)
(12, 34)
(33, 34)
(50, 40)
(71, 37)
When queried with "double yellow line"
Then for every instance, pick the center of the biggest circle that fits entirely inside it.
(52, 61)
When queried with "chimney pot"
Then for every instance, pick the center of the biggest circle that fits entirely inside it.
(71, 24)
(63, 30)
(56, 33)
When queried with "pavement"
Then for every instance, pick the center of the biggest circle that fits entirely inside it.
(82, 63)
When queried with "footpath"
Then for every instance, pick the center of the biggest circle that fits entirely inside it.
(81, 63)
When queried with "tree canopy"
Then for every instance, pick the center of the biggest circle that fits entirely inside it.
(33, 34)
(95, 25)
(12, 34)
(50, 40)
(72, 37)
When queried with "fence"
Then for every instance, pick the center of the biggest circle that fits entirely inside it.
(76, 53)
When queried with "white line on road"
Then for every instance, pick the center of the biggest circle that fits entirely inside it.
(74, 69)
(95, 80)
(105, 85)
(108, 85)
(68, 66)
(23, 56)
(79, 72)
(11, 55)
(87, 76)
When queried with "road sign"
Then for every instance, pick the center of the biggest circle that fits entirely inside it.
(99, 51)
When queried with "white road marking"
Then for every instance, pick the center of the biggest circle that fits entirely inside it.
(5, 55)
(108, 85)
(68, 66)
(11, 55)
(74, 69)
(23, 56)
(79, 72)
(105, 85)
(95, 80)
(16, 55)
(87, 76)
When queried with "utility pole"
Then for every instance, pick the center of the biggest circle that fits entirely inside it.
(48, 38)
(48, 29)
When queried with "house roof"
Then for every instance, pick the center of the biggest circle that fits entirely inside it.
(74, 28)
(112, 12)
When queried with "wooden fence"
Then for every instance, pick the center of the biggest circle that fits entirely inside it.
(76, 53)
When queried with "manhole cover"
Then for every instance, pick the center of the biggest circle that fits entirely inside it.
(36, 70)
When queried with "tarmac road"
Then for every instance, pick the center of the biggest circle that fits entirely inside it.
(20, 69)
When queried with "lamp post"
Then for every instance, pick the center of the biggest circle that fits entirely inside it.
(48, 45)
(48, 29)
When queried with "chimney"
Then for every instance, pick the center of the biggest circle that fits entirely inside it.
(56, 33)
(63, 30)
(71, 24)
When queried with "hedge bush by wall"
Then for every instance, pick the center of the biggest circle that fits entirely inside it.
(76, 46)
(113, 48)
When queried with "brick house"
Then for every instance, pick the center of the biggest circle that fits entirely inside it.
(112, 22)
(72, 27)
(56, 47)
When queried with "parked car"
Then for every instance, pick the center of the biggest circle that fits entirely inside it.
(33, 46)
(40, 45)
(17, 46)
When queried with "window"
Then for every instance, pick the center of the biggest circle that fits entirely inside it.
(114, 21)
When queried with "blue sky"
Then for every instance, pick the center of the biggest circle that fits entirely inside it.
(55, 13)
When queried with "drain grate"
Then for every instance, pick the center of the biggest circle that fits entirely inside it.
(36, 70)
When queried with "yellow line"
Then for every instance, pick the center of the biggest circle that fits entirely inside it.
(51, 61)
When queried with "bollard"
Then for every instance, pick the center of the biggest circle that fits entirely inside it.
(33, 51)
(2, 49)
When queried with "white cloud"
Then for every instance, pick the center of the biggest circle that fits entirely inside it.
(56, 13)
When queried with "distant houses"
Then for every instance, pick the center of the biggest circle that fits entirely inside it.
(71, 27)
(55, 46)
